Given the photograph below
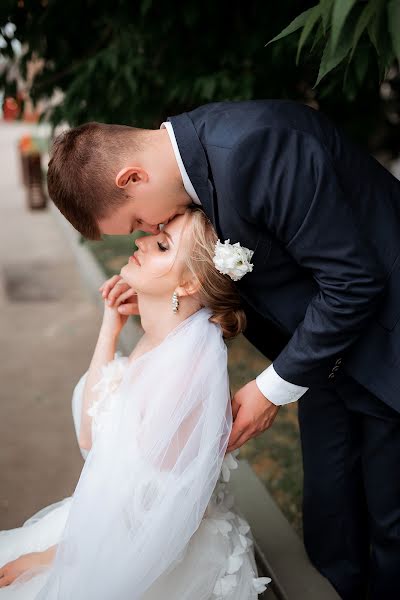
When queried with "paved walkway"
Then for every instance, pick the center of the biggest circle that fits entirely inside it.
(48, 329)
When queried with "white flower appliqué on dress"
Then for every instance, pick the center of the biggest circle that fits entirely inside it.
(220, 518)
(112, 374)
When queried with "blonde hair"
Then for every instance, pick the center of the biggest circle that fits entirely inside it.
(217, 291)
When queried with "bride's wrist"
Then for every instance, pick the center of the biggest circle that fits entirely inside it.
(108, 332)
(46, 557)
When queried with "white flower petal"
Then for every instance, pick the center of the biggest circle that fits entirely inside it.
(243, 527)
(232, 259)
(260, 583)
(238, 550)
(225, 585)
(234, 564)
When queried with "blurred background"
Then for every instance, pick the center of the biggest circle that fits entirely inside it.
(64, 63)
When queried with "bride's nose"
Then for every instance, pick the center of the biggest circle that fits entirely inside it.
(140, 242)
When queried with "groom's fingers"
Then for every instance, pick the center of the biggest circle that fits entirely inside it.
(239, 431)
(235, 407)
(239, 442)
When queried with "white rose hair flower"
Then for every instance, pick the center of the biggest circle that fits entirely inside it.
(232, 259)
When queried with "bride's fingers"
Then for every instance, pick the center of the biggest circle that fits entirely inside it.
(4, 579)
(119, 288)
(124, 296)
(129, 309)
(109, 284)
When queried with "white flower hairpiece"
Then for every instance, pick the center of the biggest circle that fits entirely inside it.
(232, 259)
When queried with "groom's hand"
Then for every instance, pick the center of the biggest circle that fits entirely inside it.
(252, 412)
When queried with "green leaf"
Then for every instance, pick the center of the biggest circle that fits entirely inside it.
(361, 63)
(318, 36)
(329, 61)
(326, 10)
(293, 26)
(393, 14)
(307, 29)
(341, 10)
(374, 32)
(362, 25)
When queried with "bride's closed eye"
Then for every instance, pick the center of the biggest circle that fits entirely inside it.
(162, 247)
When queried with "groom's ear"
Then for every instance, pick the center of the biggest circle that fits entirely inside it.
(131, 176)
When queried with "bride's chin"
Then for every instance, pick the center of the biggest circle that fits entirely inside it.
(124, 274)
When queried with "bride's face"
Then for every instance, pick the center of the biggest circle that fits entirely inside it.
(158, 266)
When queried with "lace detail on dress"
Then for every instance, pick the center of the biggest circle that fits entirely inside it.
(220, 518)
(112, 374)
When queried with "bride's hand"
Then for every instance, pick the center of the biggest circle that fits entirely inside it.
(13, 569)
(116, 288)
(113, 321)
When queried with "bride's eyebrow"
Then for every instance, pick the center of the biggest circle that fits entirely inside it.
(168, 236)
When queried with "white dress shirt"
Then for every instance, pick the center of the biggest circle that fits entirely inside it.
(271, 385)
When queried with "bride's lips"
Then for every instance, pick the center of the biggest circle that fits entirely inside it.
(134, 259)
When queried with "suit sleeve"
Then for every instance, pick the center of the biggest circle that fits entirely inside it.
(285, 180)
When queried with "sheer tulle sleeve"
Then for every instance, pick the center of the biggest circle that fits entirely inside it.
(111, 376)
(151, 471)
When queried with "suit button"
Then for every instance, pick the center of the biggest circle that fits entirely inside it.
(335, 368)
(331, 375)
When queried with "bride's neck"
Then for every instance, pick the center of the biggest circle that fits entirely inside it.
(158, 318)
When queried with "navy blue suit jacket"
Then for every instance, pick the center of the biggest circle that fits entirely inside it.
(323, 219)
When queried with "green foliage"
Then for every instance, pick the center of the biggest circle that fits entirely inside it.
(136, 62)
(351, 35)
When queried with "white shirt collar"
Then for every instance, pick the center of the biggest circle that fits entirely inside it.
(187, 184)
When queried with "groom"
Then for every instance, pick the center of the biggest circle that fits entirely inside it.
(323, 299)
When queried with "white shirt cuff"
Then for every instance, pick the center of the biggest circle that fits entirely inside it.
(276, 389)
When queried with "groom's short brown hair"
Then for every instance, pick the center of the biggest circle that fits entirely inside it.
(81, 176)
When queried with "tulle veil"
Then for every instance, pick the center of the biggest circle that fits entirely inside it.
(151, 471)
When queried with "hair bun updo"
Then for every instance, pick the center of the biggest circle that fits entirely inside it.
(217, 291)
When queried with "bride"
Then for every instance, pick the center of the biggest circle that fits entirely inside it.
(152, 515)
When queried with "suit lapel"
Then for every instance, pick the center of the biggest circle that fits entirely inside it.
(195, 160)
(226, 221)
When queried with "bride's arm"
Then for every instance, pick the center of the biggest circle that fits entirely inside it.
(103, 353)
(47, 556)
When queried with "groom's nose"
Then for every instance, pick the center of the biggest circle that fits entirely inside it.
(153, 229)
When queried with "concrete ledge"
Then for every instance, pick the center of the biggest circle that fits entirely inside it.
(279, 551)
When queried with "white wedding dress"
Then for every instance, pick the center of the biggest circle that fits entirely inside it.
(172, 549)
